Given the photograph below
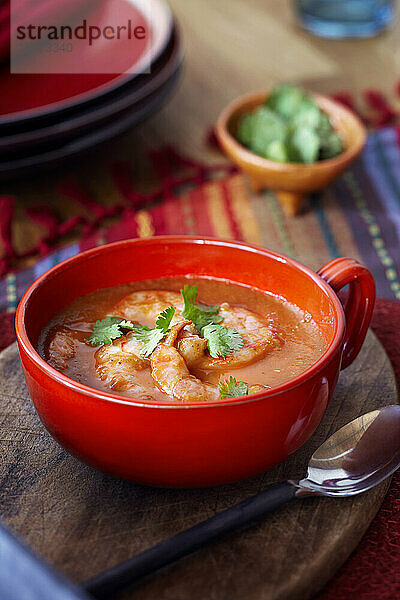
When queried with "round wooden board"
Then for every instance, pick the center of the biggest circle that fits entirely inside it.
(83, 521)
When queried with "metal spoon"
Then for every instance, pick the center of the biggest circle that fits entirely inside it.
(354, 459)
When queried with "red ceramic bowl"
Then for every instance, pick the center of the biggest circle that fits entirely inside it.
(198, 444)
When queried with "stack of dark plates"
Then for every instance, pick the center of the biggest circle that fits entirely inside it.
(47, 118)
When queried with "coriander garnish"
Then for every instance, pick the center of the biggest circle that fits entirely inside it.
(108, 329)
(111, 328)
(221, 342)
(152, 337)
(200, 314)
(230, 388)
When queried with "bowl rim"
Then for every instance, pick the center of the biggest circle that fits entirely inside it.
(224, 135)
(49, 371)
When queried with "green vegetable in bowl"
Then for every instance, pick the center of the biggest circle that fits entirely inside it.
(303, 145)
(285, 100)
(289, 127)
(277, 150)
(260, 128)
(331, 145)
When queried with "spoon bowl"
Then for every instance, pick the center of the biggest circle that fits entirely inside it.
(357, 457)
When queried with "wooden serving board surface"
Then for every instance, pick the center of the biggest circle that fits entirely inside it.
(83, 521)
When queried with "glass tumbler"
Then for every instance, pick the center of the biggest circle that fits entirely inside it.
(345, 18)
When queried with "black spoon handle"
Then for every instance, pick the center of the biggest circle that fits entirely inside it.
(132, 570)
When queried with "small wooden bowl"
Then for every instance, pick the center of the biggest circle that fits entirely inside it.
(291, 181)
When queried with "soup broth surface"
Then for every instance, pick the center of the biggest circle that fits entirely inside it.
(299, 342)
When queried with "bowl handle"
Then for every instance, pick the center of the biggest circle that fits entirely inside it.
(359, 303)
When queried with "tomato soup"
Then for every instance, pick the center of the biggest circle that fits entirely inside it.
(247, 340)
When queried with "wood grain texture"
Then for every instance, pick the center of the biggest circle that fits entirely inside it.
(83, 521)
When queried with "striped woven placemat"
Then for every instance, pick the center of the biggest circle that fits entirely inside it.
(358, 216)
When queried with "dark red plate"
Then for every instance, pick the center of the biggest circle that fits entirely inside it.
(57, 156)
(110, 106)
(37, 95)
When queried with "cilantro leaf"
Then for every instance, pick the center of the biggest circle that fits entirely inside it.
(105, 331)
(200, 314)
(221, 341)
(230, 388)
(127, 325)
(111, 328)
(189, 295)
(164, 319)
(205, 308)
(140, 331)
(150, 337)
(202, 319)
